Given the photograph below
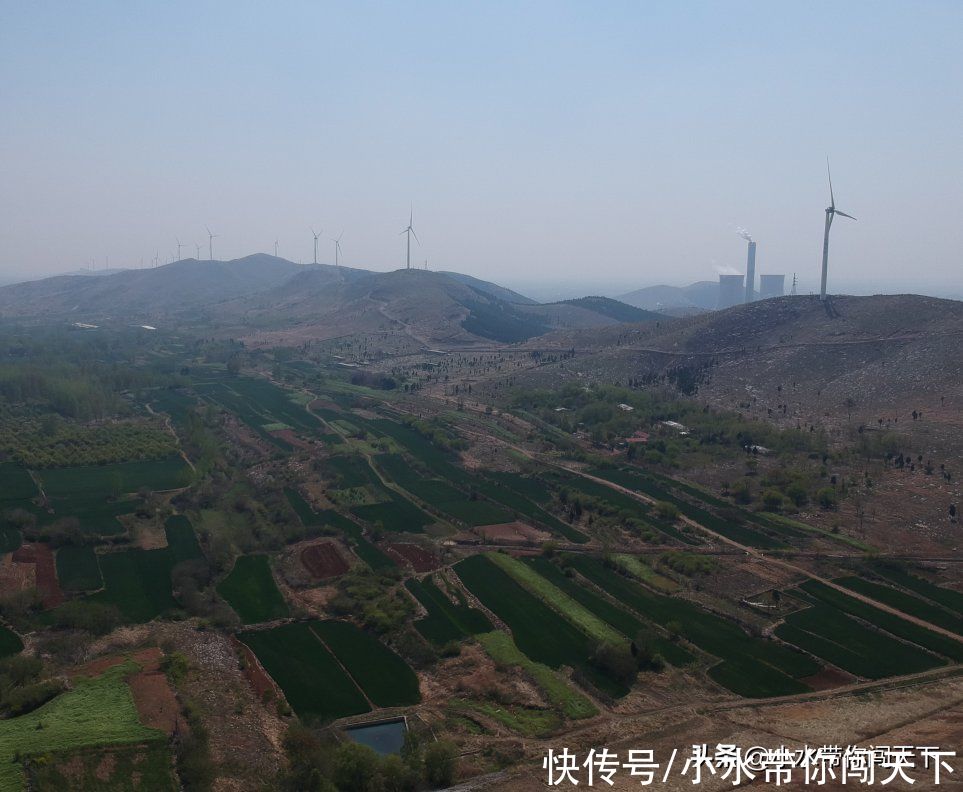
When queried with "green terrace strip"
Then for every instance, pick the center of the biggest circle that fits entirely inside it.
(623, 621)
(851, 645)
(250, 589)
(138, 582)
(948, 598)
(437, 462)
(171, 472)
(77, 568)
(525, 721)
(907, 603)
(386, 679)
(366, 551)
(638, 569)
(901, 628)
(541, 633)
(743, 534)
(313, 681)
(309, 517)
(568, 701)
(398, 515)
(752, 667)
(440, 495)
(445, 621)
(597, 629)
(96, 712)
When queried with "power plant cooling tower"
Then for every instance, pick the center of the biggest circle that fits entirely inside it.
(730, 290)
(751, 272)
(771, 286)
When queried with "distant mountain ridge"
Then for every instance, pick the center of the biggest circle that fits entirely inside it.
(278, 301)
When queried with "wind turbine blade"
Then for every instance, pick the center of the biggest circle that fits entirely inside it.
(415, 236)
(843, 214)
(404, 231)
(832, 201)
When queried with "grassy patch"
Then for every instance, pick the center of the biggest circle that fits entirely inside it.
(445, 621)
(250, 589)
(115, 769)
(642, 571)
(524, 721)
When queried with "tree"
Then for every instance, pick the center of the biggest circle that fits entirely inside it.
(356, 768)
(667, 511)
(616, 661)
(827, 498)
(440, 763)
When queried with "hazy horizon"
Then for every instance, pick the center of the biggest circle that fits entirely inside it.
(548, 144)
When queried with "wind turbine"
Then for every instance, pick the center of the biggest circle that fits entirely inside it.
(179, 246)
(210, 243)
(410, 231)
(197, 251)
(316, 235)
(275, 248)
(831, 212)
(337, 249)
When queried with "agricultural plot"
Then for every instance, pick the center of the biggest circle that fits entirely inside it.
(905, 602)
(385, 678)
(122, 478)
(738, 532)
(95, 712)
(751, 667)
(928, 639)
(16, 486)
(174, 403)
(250, 589)
(446, 621)
(77, 568)
(948, 598)
(114, 768)
(623, 621)
(540, 632)
(309, 517)
(835, 637)
(367, 552)
(314, 683)
(138, 582)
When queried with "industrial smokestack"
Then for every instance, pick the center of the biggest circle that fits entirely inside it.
(730, 290)
(751, 272)
(771, 286)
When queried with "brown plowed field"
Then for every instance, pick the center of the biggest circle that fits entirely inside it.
(421, 560)
(323, 560)
(42, 558)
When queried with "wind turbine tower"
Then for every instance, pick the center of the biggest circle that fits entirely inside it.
(275, 248)
(210, 243)
(197, 251)
(831, 212)
(316, 235)
(337, 249)
(179, 246)
(410, 231)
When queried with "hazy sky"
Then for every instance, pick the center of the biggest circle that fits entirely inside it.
(611, 142)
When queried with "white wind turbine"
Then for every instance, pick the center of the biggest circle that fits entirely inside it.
(831, 212)
(210, 243)
(337, 249)
(316, 235)
(410, 232)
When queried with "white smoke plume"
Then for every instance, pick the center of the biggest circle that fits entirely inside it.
(744, 233)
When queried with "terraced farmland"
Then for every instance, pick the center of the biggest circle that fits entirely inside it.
(77, 568)
(445, 621)
(905, 602)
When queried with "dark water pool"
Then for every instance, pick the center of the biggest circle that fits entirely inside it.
(385, 738)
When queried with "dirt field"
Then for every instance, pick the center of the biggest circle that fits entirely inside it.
(42, 558)
(288, 436)
(511, 533)
(421, 560)
(323, 560)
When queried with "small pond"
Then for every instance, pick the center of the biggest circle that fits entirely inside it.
(385, 737)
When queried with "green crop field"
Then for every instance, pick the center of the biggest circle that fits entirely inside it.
(138, 582)
(540, 632)
(171, 472)
(832, 635)
(894, 625)
(77, 568)
(314, 683)
(399, 515)
(308, 516)
(95, 712)
(623, 621)
(250, 589)
(384, 677)
(366, 551)
(907, 603)
(445, 621)
(948, 598)
(752, 667)
(16, 486)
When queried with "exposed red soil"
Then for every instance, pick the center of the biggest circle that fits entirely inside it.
(323, 560)
(421, 560)
(288, 436)
(16, 577)
(41, 556)
(254, 672)
(155, 701)
(148, 659)
(511, 533)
